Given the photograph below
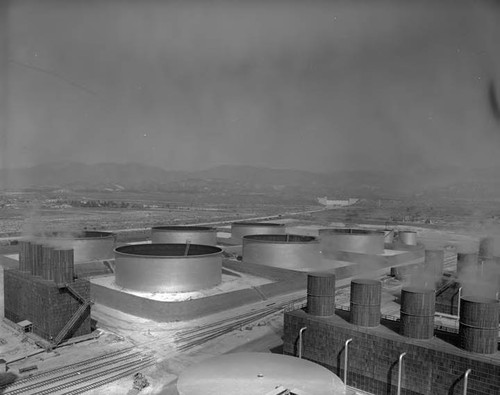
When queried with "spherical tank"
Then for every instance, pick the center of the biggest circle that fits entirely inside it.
(408, 237)
(204, 235)
(240, 229)
(168, 267)
(352, 240)
(478, 329)
(87, 245)
(288, 251)
(417, 312)
(253, 373)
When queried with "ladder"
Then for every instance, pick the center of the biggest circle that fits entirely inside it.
(64, 331)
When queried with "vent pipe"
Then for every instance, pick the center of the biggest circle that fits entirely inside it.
(321, 294)
(417, 312)
(365, 302)
(478, 324)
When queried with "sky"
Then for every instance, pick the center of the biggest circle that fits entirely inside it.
(187, 85)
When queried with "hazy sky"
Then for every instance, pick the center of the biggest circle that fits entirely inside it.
(314, 85)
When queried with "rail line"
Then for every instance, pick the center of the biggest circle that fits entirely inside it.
(75, 366)
(82, 370)
(108, 380)
(191, 338)
(115, 372)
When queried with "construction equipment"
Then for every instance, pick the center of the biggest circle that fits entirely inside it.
(140, 381)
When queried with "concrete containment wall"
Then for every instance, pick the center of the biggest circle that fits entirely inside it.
(284, 281)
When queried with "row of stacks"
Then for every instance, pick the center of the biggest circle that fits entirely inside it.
(478, 325)
(47, 262)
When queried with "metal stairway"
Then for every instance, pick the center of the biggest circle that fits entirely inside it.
(76, 316)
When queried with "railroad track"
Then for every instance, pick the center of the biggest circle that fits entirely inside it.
(194, 337)
(56, 371)
(103, 369)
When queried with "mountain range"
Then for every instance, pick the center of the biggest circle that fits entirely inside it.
(134, 176)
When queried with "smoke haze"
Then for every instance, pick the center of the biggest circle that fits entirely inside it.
(187, 85)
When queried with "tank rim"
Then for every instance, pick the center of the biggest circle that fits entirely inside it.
(417, 290)
(351, 231)
(365, 281)
(263, 224)
(87, 235)
(261, 238)
(180, 228)
(479, 299)
(213, 251)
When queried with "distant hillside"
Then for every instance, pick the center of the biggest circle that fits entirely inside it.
(78, 175)
(250, 179)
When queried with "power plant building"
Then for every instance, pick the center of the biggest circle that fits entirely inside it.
(45, 293)
(410, 354)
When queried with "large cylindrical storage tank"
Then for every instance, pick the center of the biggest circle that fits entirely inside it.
(321, 293)
(408, 237)
(365, 302)
(168, 267)
(434, 263)
(478, 330)
(417, 312)
(241, 229)
(486, 248)
(352, 240)
(467, 262)
(204, 235)
(87, 245)
(288, 251)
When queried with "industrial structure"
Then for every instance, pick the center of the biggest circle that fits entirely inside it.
(168, 267)
(87, 245)
(339, 203)
(409, 353)
(179, 234)
(352, 240)
(240, 229)
(44, 295)
(408, 237)
(289, 251)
